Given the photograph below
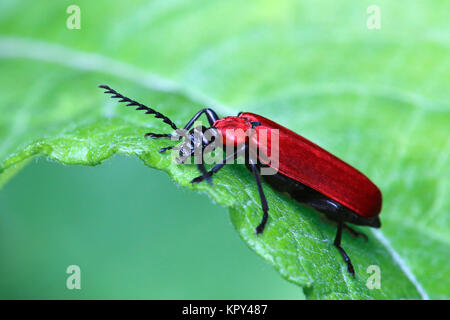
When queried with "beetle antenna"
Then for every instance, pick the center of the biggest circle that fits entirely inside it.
(140, 106)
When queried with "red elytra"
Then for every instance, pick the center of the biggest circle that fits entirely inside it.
(306, 162)
(310, 174)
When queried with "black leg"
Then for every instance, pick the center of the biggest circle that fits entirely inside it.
(208, 174)
(220, 165)
(205, 174)
(160, 136)
(162, 150)
(202, 169)
(210, 115)
(355, 233)
(337, 244)
(265, 208)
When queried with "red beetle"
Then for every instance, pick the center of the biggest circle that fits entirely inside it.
(310, 174)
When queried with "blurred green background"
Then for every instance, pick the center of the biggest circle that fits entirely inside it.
(132, 231)
(376, 98)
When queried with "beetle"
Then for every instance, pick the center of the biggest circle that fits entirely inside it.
(308, 173)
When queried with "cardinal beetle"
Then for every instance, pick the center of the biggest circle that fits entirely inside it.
(308, 173)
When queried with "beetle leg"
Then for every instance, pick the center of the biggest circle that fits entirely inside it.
(209, 173)
(210, 115)
(160, 136)
(214, 170)
(162, 150)
(355, 233)
(202, 169)
(219, 166)
(337, 244)
(265, 208)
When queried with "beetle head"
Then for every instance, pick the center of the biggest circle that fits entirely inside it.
(195, 142)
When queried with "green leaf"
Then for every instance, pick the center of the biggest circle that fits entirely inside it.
(376, 98)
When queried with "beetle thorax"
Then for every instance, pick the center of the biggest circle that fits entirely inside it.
(233, 130)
